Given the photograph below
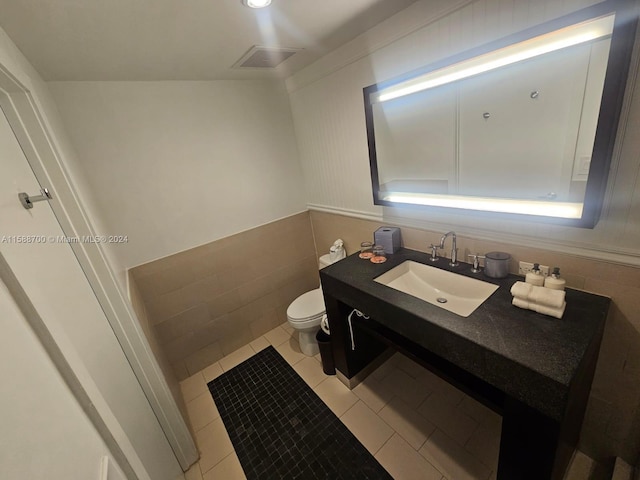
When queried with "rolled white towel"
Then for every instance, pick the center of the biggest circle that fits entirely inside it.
(543, 309)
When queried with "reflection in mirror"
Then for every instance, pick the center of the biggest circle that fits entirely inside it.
(510, 130)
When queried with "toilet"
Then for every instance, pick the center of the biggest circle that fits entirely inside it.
(306, 312)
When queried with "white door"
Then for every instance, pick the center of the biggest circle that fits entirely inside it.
(32, 243)
(45, 434)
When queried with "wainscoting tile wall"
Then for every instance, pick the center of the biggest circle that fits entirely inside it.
(612, 422)
(206, 302)
(141, 313)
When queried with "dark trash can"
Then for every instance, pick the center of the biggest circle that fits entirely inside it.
(326, 354)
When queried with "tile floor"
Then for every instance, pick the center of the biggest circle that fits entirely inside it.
(415, 424)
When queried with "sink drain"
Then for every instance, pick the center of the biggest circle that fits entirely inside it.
(441, 300)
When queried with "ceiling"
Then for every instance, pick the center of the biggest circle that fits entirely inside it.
(180, 39)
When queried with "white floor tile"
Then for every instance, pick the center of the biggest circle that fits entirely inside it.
(412, 391)
(453, 460)
(337, 397)
(373, 393)
(193, 386)
(277, 336)
(212, 372)
(484, 443)
(411, 426)
(227, 469)
(310, 371)
(404, 463)
(259, 343)
(202, 411)
(193, 473)
(369, 428)
(439, 410)
(290, 351)
(214, 445)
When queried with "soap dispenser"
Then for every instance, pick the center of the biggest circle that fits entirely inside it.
(554, 281)
(534, 277)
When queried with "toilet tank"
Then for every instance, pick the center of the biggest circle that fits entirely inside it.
(324, 261)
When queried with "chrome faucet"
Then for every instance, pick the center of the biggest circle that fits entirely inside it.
(454, 248)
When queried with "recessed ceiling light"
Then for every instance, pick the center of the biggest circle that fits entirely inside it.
(256, 3)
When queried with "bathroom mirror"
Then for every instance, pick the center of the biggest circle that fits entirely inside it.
(524, 126)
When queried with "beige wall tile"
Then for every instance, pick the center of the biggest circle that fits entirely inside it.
(328, 227)
(165, 306)
(179, 349)
(224, 303)
(171, 376)
(180, 370)
(264, 323)
(236, 358)
(187, 321)
(203, 357)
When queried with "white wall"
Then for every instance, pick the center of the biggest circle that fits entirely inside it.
(174, 165)
(328, 112)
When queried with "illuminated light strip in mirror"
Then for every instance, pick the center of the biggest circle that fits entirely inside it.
(500, 205)
(557, 40)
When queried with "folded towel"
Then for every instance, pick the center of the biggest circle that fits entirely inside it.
(540, 295)
(543, 309)
(521, 290)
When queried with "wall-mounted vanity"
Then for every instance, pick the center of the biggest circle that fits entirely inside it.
(535, 371)
(522, 126)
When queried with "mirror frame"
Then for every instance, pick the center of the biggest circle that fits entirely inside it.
(622, 43)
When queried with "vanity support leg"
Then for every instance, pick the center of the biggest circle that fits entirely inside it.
(528, 445)
(349, 362)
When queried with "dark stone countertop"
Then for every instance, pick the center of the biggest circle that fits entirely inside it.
(531, 357)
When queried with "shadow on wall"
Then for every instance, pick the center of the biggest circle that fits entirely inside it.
(208, 301)
(612, 421)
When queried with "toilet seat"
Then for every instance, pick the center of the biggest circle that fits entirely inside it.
(307, 310)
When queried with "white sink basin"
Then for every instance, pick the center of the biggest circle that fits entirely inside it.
(453, 292)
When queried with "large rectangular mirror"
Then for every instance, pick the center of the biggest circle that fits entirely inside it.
(522, 126)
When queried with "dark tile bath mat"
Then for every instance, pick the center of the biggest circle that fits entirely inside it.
(280, 428)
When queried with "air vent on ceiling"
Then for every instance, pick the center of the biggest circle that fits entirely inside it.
(264, 57)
